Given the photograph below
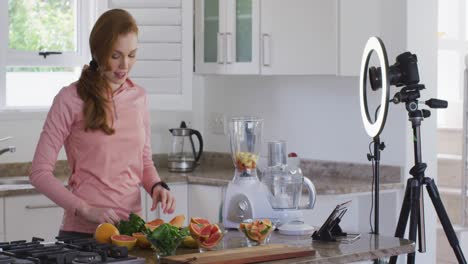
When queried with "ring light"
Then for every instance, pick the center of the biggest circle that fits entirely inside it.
(373, 129)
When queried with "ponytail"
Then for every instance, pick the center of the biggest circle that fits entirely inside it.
(92, 89)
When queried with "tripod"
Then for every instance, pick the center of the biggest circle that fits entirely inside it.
(413, 200)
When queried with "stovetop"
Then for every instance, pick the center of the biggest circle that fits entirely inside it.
(66, 250)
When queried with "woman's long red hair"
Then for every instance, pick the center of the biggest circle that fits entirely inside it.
(92, 87)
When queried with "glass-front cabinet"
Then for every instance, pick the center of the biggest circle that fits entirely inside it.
(267, 37)
(227, 36)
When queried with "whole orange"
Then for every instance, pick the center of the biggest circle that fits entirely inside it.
(104, 232)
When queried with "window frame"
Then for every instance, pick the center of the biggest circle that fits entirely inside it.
(85, 13)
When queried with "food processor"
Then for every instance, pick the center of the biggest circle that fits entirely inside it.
(277, 196)
(284, 184)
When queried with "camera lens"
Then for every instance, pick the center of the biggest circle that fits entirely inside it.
(375, 78)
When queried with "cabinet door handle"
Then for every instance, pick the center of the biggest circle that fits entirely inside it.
(266, 39)
(229, 48)
(220, 54)
(32, 207)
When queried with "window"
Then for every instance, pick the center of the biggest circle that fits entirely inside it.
(46, 48)
(453, 47)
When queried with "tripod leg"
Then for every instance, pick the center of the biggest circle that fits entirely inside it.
(444, 219)
(404, 214)
(414, 217)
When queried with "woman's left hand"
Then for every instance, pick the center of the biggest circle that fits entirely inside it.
(165, 197)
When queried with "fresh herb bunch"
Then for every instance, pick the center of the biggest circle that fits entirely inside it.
(134, 225)
(166, 238)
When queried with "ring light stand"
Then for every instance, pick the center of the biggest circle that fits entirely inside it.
(374, 129)
(404, 73)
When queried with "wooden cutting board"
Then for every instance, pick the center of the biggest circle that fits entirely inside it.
(242, 255)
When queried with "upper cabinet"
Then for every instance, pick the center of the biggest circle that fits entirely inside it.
(266, 37)
(358, 21)
(226, 33)
(298, 37)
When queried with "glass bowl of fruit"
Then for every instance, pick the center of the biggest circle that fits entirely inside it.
(207, 236)
(257, 231)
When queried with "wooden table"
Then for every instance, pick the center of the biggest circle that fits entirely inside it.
(367, 247)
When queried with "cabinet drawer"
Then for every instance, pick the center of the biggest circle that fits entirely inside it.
(31, 215)
(179, 190)
(205, 201)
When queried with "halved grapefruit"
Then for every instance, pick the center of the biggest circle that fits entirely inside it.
(199, 220)
(178, 221)
(142, 241)
(124, 241)
(205, 232)
(104, 232)
(214, 237)
(155, 222)
(195, 229)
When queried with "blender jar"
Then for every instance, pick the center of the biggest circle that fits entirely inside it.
(245, 134)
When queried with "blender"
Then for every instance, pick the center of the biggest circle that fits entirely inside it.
(243, 200)
(275, 197)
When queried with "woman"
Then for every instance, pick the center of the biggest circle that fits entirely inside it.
(103, 122)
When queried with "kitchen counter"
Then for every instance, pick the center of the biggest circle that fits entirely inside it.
(221, 177)
(367, 247)
(329, 178)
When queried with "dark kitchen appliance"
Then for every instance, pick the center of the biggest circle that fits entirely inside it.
(66, 250)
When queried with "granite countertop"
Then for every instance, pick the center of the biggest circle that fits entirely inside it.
(367, 247)
(329, 178)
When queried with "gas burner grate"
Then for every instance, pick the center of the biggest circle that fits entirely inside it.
(69, 250)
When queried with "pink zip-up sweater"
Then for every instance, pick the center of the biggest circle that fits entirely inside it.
(106, 170)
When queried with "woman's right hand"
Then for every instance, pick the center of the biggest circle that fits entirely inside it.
(99, 215)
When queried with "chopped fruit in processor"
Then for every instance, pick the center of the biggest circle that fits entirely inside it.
(246, 160)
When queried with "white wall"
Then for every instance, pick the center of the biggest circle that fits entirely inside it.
(26, 128)
(318, 116)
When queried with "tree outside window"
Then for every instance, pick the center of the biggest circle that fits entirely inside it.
(43, 25)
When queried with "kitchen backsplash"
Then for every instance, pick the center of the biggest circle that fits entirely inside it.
(314, 169)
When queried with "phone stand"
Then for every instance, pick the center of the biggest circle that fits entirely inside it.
(331, 229)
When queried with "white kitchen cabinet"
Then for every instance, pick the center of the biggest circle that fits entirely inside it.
(358, 21)
(31, 215)
(144, 203)
(298, 37)
(205, 201)
(271, 37)
(227, 36)
(180, 192)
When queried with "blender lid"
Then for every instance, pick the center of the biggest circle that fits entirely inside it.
(296, 228)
